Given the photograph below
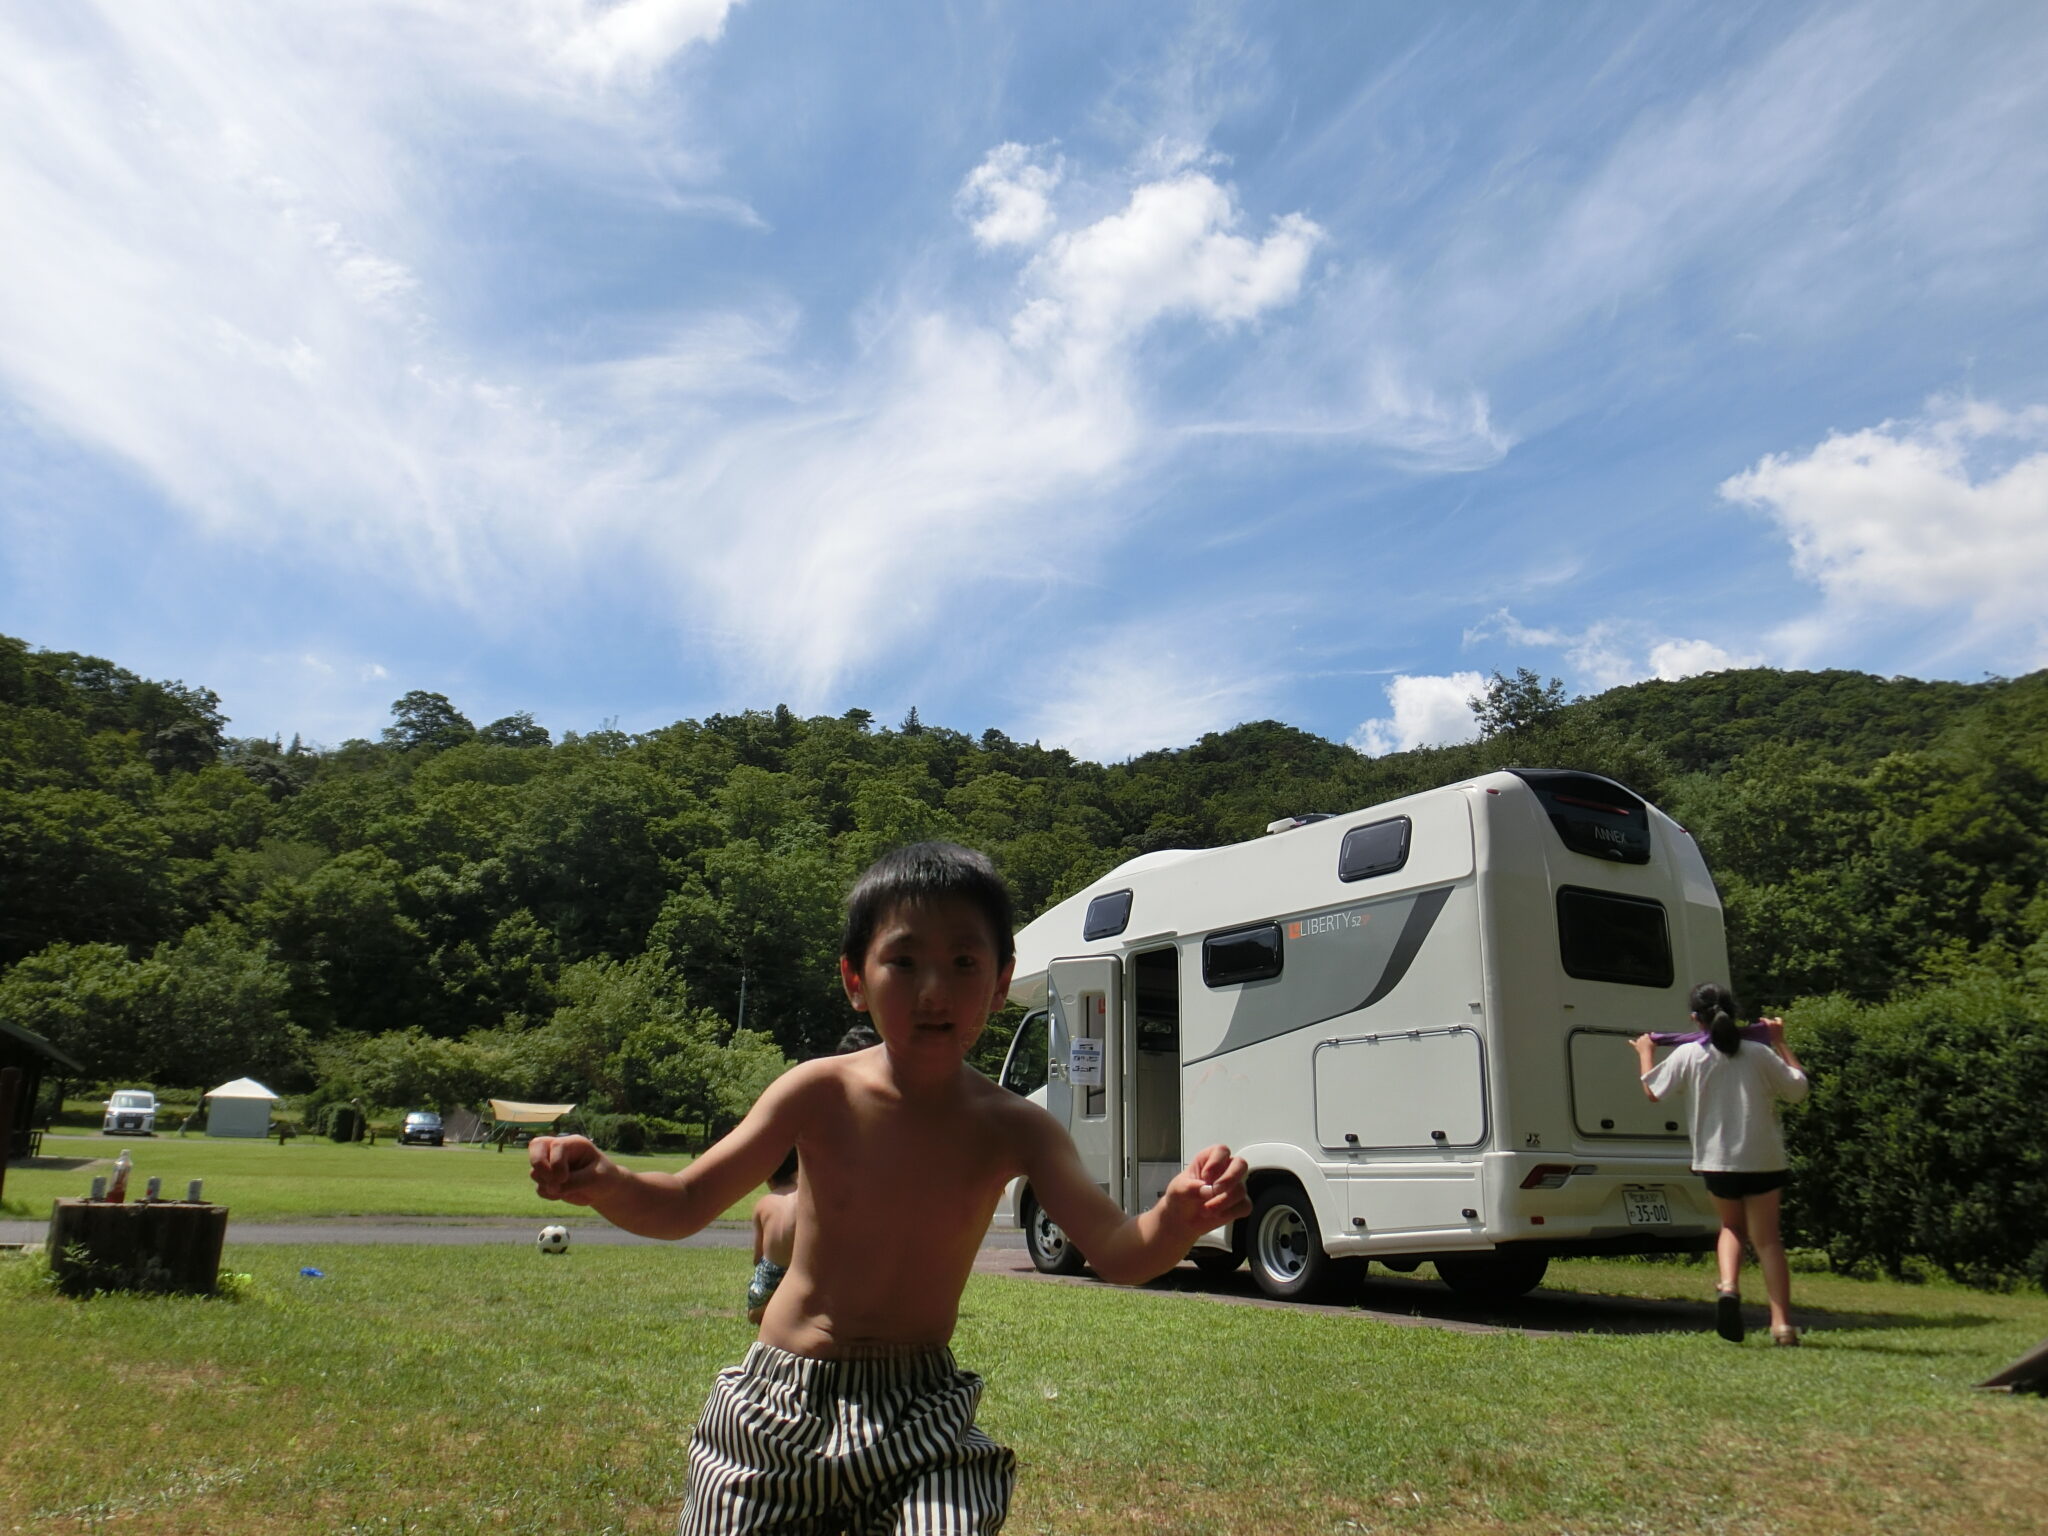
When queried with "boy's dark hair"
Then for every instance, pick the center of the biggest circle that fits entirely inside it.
(785, 1171)
(858, 1037)
(927, 872)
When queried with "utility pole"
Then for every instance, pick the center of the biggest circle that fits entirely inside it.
(741, 1022)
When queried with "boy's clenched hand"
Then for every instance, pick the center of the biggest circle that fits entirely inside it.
(1208, 1192)
(567, 1168)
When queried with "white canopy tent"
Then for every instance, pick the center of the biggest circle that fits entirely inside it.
(239, 1108)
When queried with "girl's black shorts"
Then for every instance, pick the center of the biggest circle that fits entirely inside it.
(1733, 1186)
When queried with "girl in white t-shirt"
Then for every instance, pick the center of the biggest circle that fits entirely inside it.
(1736, 1086)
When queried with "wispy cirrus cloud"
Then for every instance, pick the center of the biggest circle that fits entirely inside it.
(1144, 684)
(224, 273)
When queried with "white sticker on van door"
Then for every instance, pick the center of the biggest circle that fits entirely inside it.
(1084, 1063)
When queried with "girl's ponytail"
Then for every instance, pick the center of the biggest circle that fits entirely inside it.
(1714, 1007)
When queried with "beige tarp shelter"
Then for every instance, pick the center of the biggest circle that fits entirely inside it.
(511, 1118)
(512, 1112)
(240, 1108)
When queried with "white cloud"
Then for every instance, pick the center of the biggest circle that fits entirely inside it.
(1141, 688)
(819, 543)
(1170, 250)
(1007, 199)
(1610, 653)
(219, 257)
(1671, 660)
(960, 459)
(631, 38)
(1427, 712)
(1944, 514)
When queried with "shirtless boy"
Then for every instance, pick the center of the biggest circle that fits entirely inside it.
(850, 1413)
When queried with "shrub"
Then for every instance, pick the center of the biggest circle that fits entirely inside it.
(1922, 1137)
(612, 1133)
(668, 1133)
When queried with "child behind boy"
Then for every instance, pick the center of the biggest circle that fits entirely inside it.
(850, 1412)
(774, 1236)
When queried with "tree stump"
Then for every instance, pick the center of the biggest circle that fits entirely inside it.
(156, 1246)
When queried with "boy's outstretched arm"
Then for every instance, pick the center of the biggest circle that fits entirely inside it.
(1129, 1250)
(673, 1205)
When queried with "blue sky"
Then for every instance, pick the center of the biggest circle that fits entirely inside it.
(1105, 374)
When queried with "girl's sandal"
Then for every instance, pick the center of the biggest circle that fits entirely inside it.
(1728, 1315)
(1786, 1335)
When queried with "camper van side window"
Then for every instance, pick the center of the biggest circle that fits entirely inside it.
(1107, 916)
(1024, 1073)
(1242, 954)
(1605, 937)
(1378, 849)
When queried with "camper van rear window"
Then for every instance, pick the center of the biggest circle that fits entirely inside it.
(1378, 849)
(1242, 954)
(1604, 937)
(1592, 815)
(1107, 916)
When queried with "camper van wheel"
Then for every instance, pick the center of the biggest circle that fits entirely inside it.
(1500, 1276)
(1288, 1260)
(1051, 1253)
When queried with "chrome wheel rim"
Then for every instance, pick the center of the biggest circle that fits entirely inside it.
(1283, 1243)
(1047, 1238)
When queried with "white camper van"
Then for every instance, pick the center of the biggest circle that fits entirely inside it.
(1412, 1021)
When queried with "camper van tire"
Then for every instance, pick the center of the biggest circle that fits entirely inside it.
(1288, 1259)
(1499, 1276)
(1051, 1253)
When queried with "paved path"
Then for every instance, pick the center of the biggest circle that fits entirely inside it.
(1396, 1300)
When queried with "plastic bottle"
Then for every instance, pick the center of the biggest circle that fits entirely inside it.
(118, 1190)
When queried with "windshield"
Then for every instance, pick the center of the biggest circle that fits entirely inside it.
(134, 1100)
(422, 1117)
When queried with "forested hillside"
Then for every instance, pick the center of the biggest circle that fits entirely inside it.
(456, 909)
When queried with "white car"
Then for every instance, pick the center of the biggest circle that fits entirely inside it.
(130, 1112)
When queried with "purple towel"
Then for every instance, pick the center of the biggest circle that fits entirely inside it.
(1760, 1033)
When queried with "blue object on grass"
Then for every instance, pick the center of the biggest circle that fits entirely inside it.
(313, 1274)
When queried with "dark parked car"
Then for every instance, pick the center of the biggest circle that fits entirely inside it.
(422, 1125)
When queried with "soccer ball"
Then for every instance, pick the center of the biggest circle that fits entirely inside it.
(553, 1240)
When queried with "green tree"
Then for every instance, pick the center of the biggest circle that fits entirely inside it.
(88, 1000)
(79, 866)
(426, 722)
(515, 731)
(217, 1010)
(628, 1039)
(1516, 703)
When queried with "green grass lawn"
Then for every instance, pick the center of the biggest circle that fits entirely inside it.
(497, 1390)
(307, 1176)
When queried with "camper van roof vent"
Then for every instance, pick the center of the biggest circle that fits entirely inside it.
(1289, 823)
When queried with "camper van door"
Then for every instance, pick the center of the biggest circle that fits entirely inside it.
(1086, 998)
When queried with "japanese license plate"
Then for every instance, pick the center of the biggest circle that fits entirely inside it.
(1646, 1207)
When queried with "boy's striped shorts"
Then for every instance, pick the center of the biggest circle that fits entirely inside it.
(858, 1446)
